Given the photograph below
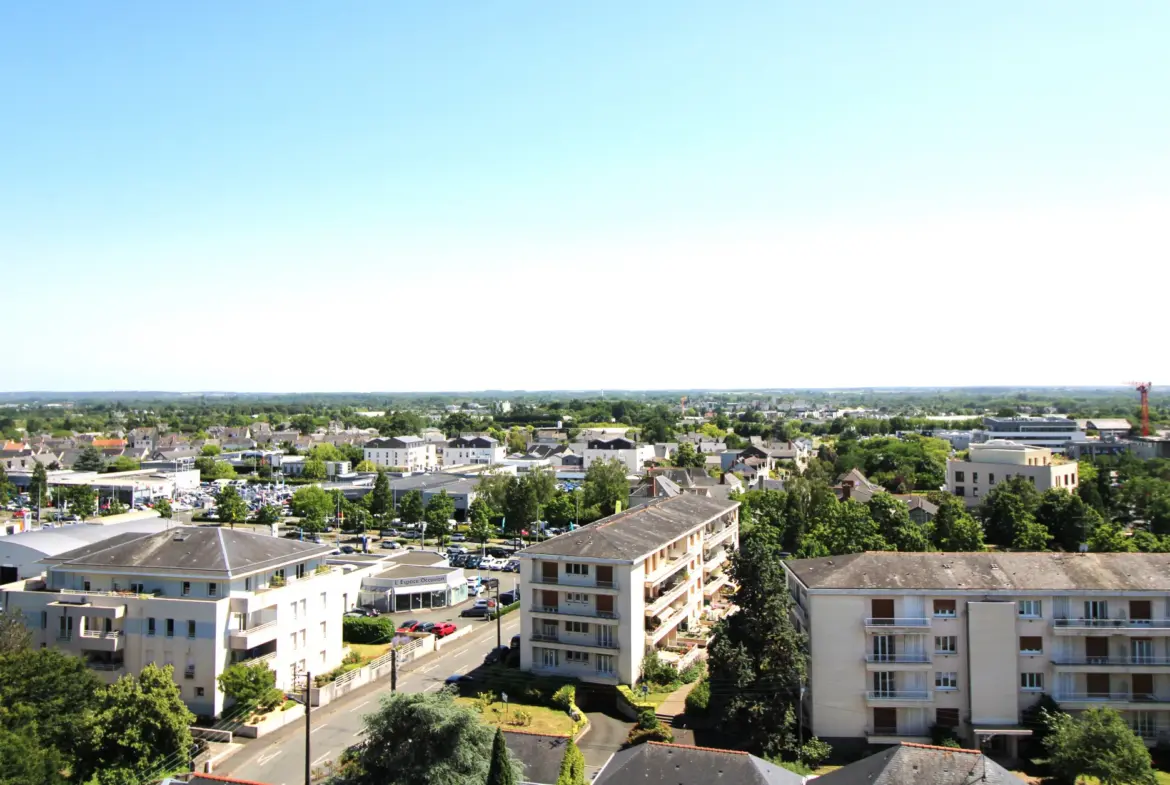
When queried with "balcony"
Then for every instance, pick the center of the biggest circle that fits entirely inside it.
(681, 657)
(659, 604)
(253, 636)
(1138, 627)
(575, 642)
(1090, 663)
(95, 611)
(1135, 700)
(714, 538)
(668, 623)
(899, 697)
(96, 640)
(716, 559)
(711, 587)
(607, 587)
(898, 662)
(920, 624)
(107, 672)
(257, 660)
(672, 565)
(588, 612)
(877, 734)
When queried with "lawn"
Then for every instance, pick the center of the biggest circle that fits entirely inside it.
(544, 719)
(369, 651)
(1163, 778)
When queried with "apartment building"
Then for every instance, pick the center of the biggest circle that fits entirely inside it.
(995, 461)
(596, 598)
(197, 598)
(1055, 433)
(629, 452)
(473, 449)
(410, 453)
(903, 641)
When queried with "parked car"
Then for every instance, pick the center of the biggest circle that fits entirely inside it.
(495, 655)
(354, 614)
(515, 642)
(425, 626)
(475, 611)
(473, 561)
(390, 545)
(458, 537)
(508, 597)
(408, 626)
(443, 629)
(456, 549)
(513, 565)
(460, 560)
(348, 549)
(497, 565)
(458, 678)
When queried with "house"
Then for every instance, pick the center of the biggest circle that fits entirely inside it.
(409, 453)
(472, 449)
(197, 598)
(656, 763)
(900, 642)
(601, 595)
(921, 764)
(999, 460)
(629, 452)
(539, 754)
(922, 511)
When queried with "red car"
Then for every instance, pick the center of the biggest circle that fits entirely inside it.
(408, 626)
(443, 629)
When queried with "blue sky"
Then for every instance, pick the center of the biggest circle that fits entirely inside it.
(553, 195)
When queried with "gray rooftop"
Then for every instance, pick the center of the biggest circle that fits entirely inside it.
(1017, 572)
(62, 539)
(634, 533)
(539, 754)
(919, 764)
(195, 550)
(415, 571)
(655, 763)
(423, 558)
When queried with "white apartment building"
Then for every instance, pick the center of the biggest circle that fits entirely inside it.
(197, 598)
(1055, 433)
(410, 453)
(472, 450)
(902, 641)
(596, 598)
(995, 461)
(632, 454)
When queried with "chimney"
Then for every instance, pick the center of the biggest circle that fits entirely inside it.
(847, 489)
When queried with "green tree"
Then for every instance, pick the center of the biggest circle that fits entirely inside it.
(517, 441)
(544, 485)
(892, 517)
(90, 459)
(686, 456)
(6, 488)
(440, 509)
(411, 508)
(269, 514)
(15, 636)
(23, 760)
(314, 469)
(561, 511)
(953, 527)
(480, 529)
(423, 739)
(502, 770)
(1097, 743)
(845, 527)
(114, 507)
(381, 498)
(163, 508)
(123, 463)
(38, 487)
(606, 486)
(82, 501)
(313, 505)
(572, 766)
(209, 450)
(229, 507)
(304, 423)
(250, 686)
(365, 467)
(522, 507)
(758, 660)
(326, 452)
(1110, 537)
(1067, 518)
(656, 430)
(211, 470)
(1008, 513)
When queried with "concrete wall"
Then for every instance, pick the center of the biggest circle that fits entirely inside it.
(993, 649)
(839, 680)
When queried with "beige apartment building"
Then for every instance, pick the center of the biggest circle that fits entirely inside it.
(597, 598)
(902, 641)
(998, 460)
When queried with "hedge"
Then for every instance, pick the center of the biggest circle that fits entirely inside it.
(506, 610)
(699, 699)
(367, 629)
(635, 702)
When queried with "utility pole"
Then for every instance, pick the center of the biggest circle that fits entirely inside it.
(499, 615)
(393, 669)
(308, 728)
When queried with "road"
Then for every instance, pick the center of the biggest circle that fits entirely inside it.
(279, 758)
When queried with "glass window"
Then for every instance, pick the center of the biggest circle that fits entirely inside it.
(186, 588)
(577, 569)
(1030, 609)
(150, 626)
(1032, 682)
(946, 644)
(190, 629)
(1031, 644)
(960, 477)
(576, 626)
(944, 609)
(946, 680)
(946, 718)
(212, 589)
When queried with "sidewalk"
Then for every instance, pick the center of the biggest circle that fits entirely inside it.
(675, 704)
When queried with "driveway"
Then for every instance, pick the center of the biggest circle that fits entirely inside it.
(607, 733)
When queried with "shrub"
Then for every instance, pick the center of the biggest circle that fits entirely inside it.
(572, 766)
(252, 686)
(353, 658)
(647, 719)
(365, 629)
(692, 674)
(699, 699)
(565, 697)
(643, 735)
(288, 704)
(633, 699)
(814, 752)
(657, 672)
(942, 736)
(504, 611)
(520, 718)
(484, 701)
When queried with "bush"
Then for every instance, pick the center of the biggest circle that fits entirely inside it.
(365, 629)
(565, 697)
(942, 736)
(643, 735)
(288, 704)
(633, 699)
(699, 699)
(814, 752)
(504, 611)
(253, 686)
(520, 718)
(484, 701)
(647, 719)
(657, 672)
(572, 766)
(692, 673)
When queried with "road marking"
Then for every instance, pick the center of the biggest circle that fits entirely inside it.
(432, 687)
(264, 760)
(319, 727)
(360, 733)
(323, 757)
(431, 668)
(363, 703)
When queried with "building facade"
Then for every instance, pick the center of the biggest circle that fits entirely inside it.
(197, 598)
(471, 450)
(1055, 433)
(993, 462)
(632, 454)
(596, 598)
(409, 453)
(903, 641)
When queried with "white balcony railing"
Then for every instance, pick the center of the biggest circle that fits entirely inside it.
(898, 658)
(258, 628)
(898, 695)
(914, 622)
(1110, 697)
(717, 537)
(101, 634)
(659, 604)
(260, 659)
(1125, 661)
(570, 610)
(1097, 624)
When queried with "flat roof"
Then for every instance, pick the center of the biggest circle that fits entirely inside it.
(412, 571)
(425, 558)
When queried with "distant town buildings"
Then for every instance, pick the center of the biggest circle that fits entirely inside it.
(995, 461)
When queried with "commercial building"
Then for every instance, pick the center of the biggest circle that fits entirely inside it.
(1147, 447)
(1055, 433)
(629, 452)
(995, 461)
(903, 641)
(196, 598)
(596, 598)
(408, 453)
(22, 553)
(472, 449)
(419, 580)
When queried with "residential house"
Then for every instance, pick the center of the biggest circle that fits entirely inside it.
(472, 450)
(921, 764)
(998, 460)
(629, 452)
(656, 763)
(409, 453)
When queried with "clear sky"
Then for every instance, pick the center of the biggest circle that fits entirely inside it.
(540, 195)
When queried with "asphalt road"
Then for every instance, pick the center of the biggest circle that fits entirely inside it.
(279, 758)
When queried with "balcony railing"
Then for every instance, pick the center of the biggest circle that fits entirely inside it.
(546, 637)
(101, 634)
(555, 581)
(659, 604)
(257, 660)
(669, 567)
(713, 538)
(266, 625)
(893, 730)
(900, 621)
(106, 666)
(1097, 624)
(898, 658)
(1111, 661)
(899, 695)
(568, 610)
(1110, 697)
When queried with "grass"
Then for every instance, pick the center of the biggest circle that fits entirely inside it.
(369, 651)
(655, 697)
(544, 720)
(1162, 777)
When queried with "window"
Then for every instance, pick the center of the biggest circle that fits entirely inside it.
(1030, 644)
(1096, 609)
(300, 571)
(974, 478)
(604, 663)
(575, 597)
(960, 477)
(577, 656)
(213, 590)
(137, 588)
(198, 692)
(170, 628)
(947, 680)
(991, 479)
(549, 658)
(292, 641)
(150, 626)
(946, 718)
(1144, 723)
(576, 626)
(186, 588)
(1032, 682)
(944, 609)
(1029, 609)
(292, 609)
(576, 569)
(305, 608)
(247, 584)
(946, 644)
(302, 639)
(190, 629)
(960, 490)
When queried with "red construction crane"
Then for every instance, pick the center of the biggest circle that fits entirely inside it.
(1144, 389)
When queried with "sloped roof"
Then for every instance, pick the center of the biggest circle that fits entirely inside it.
(655, 763)
(631, 534)
(921, 764)
(539, 754)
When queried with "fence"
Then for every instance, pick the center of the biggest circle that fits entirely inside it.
(371, 671)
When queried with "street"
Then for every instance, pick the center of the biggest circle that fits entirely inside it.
(279, 758)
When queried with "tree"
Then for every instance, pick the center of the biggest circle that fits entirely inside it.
(954, 528)
(561, 511)
(381, 499)
(572, 766)
(501, 771)
(892, 517)
(366, 467)
(544, 485)
(440, 509)
(423, 739)
(123, 463)
(312, 505)
(326, 452)
(522, 506)
(51, 695)
(517, 441)
(1109, 537)
(82, 501)
(229, 507)
(479, 515)
(38, 487)
(686, 456)
(113, 507)
(1008, 512)
(250, 686)
(304, 423)
(843, 527)
(1097, 743)
(209, 450)
(15, 636)
(139, 724)
(6, 488)
(1066, 517)
(89, 460)
(656, 430)
(269, 515)
(211, 469)
(410, 507)
(23, 760)
(606, 485)
(314, 469)
(163, 508)
(758, 660)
